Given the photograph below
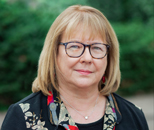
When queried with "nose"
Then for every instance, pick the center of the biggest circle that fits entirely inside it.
(86, 56)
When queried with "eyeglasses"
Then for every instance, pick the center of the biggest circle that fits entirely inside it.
(76, 49)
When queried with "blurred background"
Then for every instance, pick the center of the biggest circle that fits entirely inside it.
(25, 23)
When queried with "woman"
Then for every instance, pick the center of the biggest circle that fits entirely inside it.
(78, 74)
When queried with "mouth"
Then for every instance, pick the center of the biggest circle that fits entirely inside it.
(84, 72)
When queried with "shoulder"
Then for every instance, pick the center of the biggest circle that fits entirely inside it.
(30, 98)
(125, 103)
(127, 107)
(26, 108)
(130, 113)
(32, 104)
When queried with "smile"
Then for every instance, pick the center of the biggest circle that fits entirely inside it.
(84, 72)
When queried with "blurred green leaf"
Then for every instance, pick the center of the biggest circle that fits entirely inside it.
(24, 25)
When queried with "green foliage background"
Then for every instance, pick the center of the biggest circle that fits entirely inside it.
(25, 23)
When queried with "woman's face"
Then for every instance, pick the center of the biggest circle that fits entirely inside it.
(83, 71)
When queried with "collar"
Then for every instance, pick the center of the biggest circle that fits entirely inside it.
(59, 115)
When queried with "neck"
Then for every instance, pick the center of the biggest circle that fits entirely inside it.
(82, 99)
(87, 101)
(78, 91)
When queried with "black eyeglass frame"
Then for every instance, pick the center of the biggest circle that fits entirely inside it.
(65, 44)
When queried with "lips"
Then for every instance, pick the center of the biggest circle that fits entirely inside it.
(84, 72)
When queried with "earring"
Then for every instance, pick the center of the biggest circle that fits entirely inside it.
(103, 79)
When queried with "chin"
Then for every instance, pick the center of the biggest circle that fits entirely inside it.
(84, 85)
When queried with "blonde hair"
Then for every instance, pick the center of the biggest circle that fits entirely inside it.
(66, 22)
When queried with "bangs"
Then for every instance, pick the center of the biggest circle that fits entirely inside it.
(86, 21)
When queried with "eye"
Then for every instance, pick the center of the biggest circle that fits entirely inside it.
(96, 48)
(74, 46)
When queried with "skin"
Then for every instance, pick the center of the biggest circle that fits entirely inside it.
(78, 78)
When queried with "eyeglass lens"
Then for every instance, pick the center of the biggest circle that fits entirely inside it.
(76, 49)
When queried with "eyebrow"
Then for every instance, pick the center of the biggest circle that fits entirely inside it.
(91, 42)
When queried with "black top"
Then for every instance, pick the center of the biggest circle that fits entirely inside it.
(33, 112)
(98, 125)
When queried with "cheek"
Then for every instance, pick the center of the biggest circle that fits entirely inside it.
(65, 63)
(60, 58)
(101, 65)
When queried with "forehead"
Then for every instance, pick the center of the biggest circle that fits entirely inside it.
(86, 25)
(82, 33)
